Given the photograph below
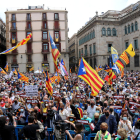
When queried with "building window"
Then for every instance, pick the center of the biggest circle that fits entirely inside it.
(125, 30)
(126, 45)
(56, 34)
(103, 32)
(45, 47)
(29, 47)
(82, 52)
(95, 63)
(45, 35)
(91, 62)
(29, 58)
(44, 15)
(56, 17)
(128, 65)
(90, 47)
(136, 26)
(28, 16)
(93, 34)
(13, 17)
(86, 50)
(109, 47)
(108, 31)
(13, 35)
(58, 46)
(79, 53)
(135, 44)
(132, 27)
(94, 48)
(128, 29)
(136, 60)
(28, 25)
(14, 25)
(114, 32)
(44, 25)
(45, 57)
(28, 33)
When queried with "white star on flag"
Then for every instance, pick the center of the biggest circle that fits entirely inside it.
(83, 69)
(53, 43)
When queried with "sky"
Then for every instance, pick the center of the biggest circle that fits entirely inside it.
(79, 11)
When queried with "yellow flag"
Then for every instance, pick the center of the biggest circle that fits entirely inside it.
(113, 51)
(130, 50)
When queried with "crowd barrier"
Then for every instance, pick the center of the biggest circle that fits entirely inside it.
(50, 130)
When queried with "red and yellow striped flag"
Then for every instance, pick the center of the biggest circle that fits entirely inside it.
(120, 65)
(6, 67)
(111, 76)
(48, 84)
(90, 76)
(2, 71)
(23, 77)
(32, 68)
(124, 57)
(122, 73)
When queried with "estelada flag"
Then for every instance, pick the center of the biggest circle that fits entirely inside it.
(130, 50)
(124, 57)
(48, 84)
(2, 71)
(6, 67)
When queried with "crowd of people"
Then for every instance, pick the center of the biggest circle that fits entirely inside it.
(114, 112)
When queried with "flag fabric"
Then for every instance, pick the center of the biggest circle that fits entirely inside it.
(52, 79)
(23, 77)
(130, 50)
(124, 57)
(63, 63)
(114, 54)
(100, 68)
(116, 69)
(44, 73)
(6, 67)
(70, 71)
(66, 77)
(32, 68)
(48, 84)
(96, 69)
(106, 68)
(24, 41)
(106, 78)
(122, 73)
(120, 64)
(90, 76)
(2, 71)
(14, 71)
(63, 70)
(55, 52)
(75, 68)
(57, 77)
(79, 61)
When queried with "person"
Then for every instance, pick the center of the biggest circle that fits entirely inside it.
(91, 109)
(103, 133)
(16, 104)
(125, 123)
(29, 130)
(121, 134)
(136, 130)
(110, 120)
(98, 110)
(95, 122)
(63, 112)
(6, 131)
(79, 128)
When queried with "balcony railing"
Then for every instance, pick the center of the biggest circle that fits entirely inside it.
(13, 19)
(13, 29)
(29, 51)
(45, 39)
(28, 28)
(14, 61)
(28, 18)
(15, 51)
(44, 29)
(45, 51)
(56, 27)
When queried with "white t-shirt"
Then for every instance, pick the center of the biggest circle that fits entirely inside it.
(91, 111)
(135, 131)
(64, 114)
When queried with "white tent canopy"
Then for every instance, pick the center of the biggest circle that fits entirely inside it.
(37, 71)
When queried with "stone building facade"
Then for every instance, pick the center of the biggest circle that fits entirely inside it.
(113, 28)
(37, 52)
(2, 43)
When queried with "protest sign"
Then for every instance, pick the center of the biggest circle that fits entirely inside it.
(31, 90)
(31, 101)
(56, 95)
(80, 96)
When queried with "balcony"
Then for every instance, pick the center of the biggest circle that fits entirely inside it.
(44, 29)
(29, 51)
(45, 51)
(44, 61)
(45, 39)
(14, 51)
(28, 19)
(14, 61)
(44, 18)
(14, 41)
(57, 39)
(31, 40)
(13, 19)
(29, 61)
(28, 29)
(56, 28)
(13, 29)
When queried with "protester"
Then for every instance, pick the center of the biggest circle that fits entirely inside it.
(121, 134)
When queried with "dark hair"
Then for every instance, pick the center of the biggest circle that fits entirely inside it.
(79, 127)
(125, 114)
(2, 122)
(31, 119)
(137, 124)
(34, 115)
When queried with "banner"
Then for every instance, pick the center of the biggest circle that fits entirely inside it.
(32, 101)
(31, 90)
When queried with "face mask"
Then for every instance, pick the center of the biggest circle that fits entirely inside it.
(71, 120)
(97, 111)
(137, 114)
(45, 100)
(107, 114)
(96, 119)
(103, 131)
(124, 118)
(76, 105)
(15, 102)
(84, 116)
(88, 102)
(92, 104)
(21, 110)
(111, 109)
(119, 136)
(105, 104)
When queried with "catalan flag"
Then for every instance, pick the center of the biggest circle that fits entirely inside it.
(130, 50)
(32, 68)
(23, 77)
(6, 67)
(44, 73)
(14, 71)
(100, 68)
(57, 77)
(48, 84)
(124, 57)
(2, 71)
(122, 73)
(66, 77)
(90, 76)
(107, 68)
(96, 69)
(55, 52)
(63, 63)
(24, 41)
(120, 64)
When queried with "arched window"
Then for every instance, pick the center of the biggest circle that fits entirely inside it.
(114, 32)
(128, 29)
(132, 27)
(108, 31)
(103, 32)
(125, 30)
(136, 26)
